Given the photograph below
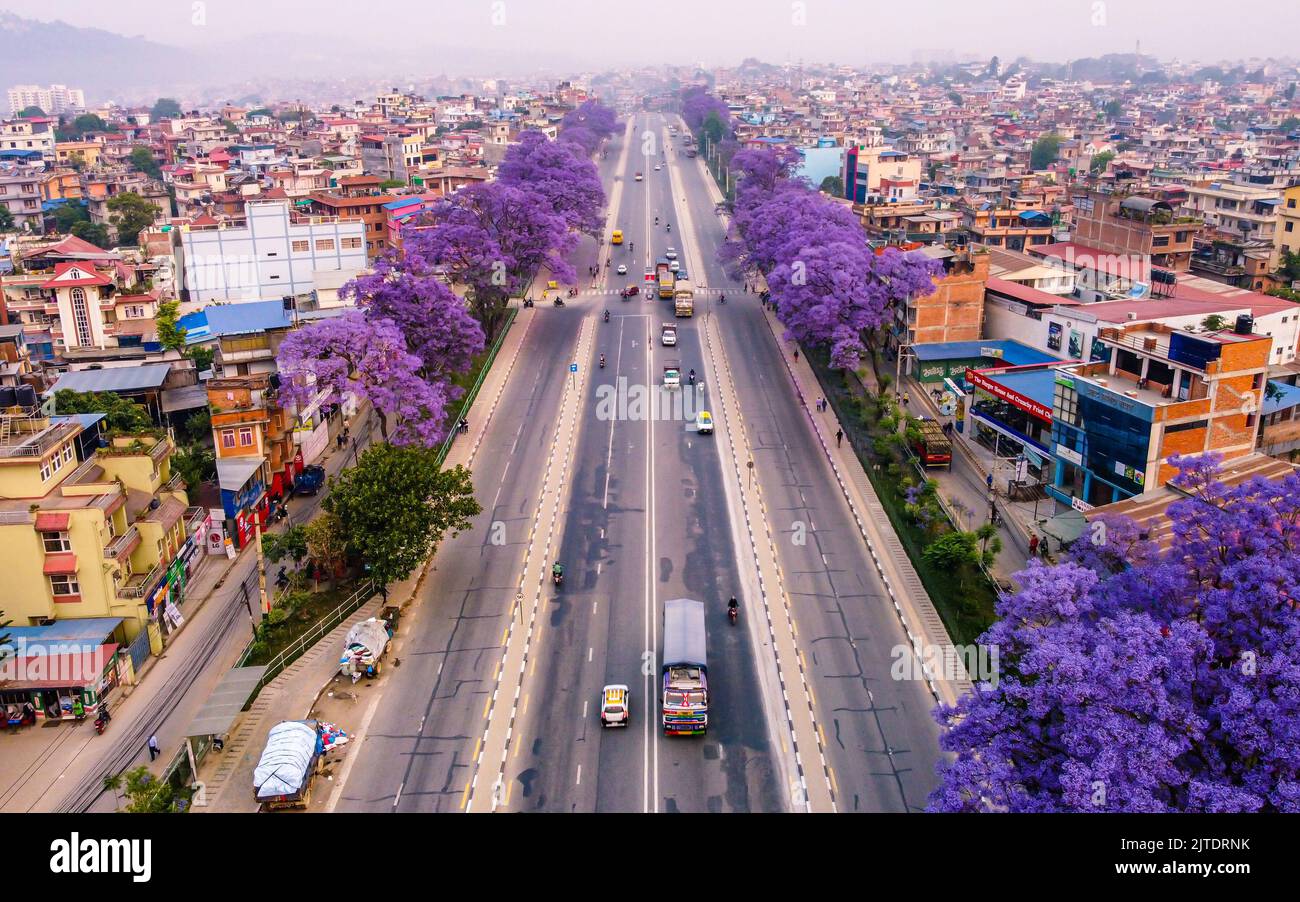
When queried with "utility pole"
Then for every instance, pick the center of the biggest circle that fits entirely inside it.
(261, 566)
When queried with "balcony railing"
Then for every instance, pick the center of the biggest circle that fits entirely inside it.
(122, 544)
(138, 586)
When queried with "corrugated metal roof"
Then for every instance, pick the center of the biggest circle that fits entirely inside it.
(117, 379)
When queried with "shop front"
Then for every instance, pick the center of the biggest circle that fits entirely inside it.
(244, 498)
(1011, 415)
(59, 671)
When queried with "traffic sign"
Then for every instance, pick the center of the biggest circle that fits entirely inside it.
(573, 368)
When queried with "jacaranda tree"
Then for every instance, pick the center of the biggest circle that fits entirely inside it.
(1146, 680)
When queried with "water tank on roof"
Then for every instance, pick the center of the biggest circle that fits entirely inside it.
(8, 397)
(26, 396)
(1245, 324)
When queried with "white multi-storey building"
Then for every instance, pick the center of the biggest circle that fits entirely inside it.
(52, 100)
(271, 253)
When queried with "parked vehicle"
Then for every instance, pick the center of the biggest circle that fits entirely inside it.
(310, 480)
(283, 776)
(932, 446)
(685, 668)
(363, 648)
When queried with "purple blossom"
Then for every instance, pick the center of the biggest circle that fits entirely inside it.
(567, 179)
(1158, 681)
(367, 358)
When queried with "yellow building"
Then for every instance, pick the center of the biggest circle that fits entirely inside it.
(102, 537)
(88, 151)
(1288, 224)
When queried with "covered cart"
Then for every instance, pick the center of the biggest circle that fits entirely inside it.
(283, 776)
(364, 646)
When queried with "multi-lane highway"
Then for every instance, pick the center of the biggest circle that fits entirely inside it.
(495, 706)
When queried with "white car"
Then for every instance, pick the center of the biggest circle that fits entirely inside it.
(704, 422)
(638, 176)
(674, 266)
(615, 706)
(668, 336)
(671, 253)
(657, 167)
(622, 269)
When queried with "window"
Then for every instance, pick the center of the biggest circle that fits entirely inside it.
(324, 244)
(56, 542)
(353, 243)
(1289, 225)
(64, 584)
(227, 438)
(1184, 427)
(299, 247)
(245, 435)
(46, 469)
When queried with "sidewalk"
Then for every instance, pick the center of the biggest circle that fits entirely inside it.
(51, 768)
(916, 611)
(964, 488)
(300, 691)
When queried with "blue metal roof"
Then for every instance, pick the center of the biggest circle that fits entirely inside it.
(75, 629)
(1037, 385)
(1013, 352)
(251, 316)
(1285, 396)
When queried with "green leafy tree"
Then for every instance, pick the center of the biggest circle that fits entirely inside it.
(994, 67)
(81, 126)
(292, 544)
(197, 427)
(129, 213)
(395, 506)
(6, 219)
(93, 232)
(1100, 161)
(195, 465)
(1289, 124)
(1044, 151)
(955, 552)
(327, 543)
(170, 335)
(146, 794)
(65, 216)
(833, 185)
(955, 98)
(165, 108)
(113, 783)
(1113, 109)
(201, 356)
(142, 158)
(120, 414)
(388, 184)
(1213, 323)
(31, 112)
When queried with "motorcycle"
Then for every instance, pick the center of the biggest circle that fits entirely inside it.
(602, 361)
(559, 301)
(557, 576)
(691, 377)
(528, 302)
(670, 227)
(606, 316)
(102, 720)
(732, 614)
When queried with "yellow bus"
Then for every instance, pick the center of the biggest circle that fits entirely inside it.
(617, 237)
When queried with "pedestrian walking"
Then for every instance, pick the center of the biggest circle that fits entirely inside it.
(1044, 548)
(839, 437)
(988, 480)
(1033, 545)
(154, 751)
(796, 355)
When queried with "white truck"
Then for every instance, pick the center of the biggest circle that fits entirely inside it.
(672, 374)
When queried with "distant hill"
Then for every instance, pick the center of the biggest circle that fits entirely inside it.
(100, 62)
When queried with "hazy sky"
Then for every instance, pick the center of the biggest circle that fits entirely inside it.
(600, 32)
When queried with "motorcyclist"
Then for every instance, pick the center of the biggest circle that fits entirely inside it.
(602, 361)
(670, 226)
(722, 299)
(557, 573)
(692, 377)
(656, 220)
(733, 605)
(606, 316)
